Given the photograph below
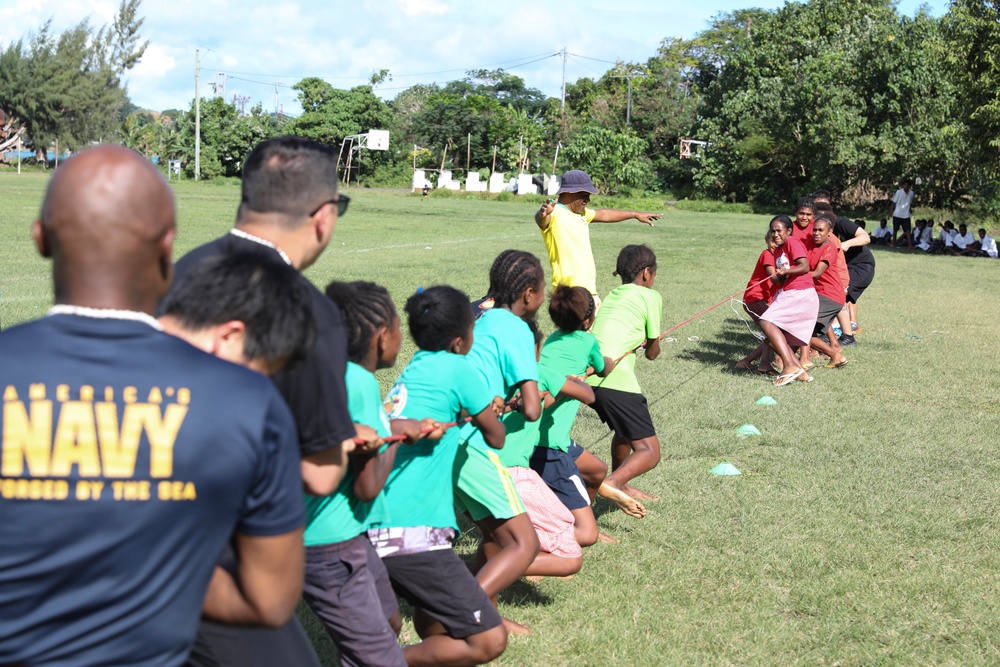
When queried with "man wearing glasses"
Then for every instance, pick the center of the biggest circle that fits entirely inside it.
(288, 211)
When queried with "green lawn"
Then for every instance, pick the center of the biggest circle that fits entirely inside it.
(864, 529)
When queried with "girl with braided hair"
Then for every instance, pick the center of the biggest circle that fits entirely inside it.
(346, 584)
(503, 353)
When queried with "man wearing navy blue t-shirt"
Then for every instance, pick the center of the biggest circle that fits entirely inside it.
(129, 458)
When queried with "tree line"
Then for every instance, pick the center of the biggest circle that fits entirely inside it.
(848, 95)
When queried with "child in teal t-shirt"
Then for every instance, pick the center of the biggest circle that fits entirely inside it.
(503, 354)
(415, 540)
(629, 317)
(344, 578)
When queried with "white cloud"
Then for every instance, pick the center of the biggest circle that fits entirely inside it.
(422, 7)
(259, 42)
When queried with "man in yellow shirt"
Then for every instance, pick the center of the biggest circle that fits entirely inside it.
(565, 229)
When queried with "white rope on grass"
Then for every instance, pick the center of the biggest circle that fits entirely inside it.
(749, 323)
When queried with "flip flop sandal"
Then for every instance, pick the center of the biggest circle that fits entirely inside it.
(788, 378)
(833, 365)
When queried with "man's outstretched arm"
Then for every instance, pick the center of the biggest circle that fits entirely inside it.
(614, 215)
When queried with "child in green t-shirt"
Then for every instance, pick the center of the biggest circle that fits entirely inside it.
(573, 473)
(629, 317)
(503, 354)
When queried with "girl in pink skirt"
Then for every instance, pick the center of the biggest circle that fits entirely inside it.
(790, 318)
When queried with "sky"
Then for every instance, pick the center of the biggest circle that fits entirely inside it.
(259, 43)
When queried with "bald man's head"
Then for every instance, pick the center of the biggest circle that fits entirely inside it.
(107, 223)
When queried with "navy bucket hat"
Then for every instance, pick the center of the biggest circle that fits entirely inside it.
(577, 181)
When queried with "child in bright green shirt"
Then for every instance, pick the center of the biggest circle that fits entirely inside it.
(573, 473)
(559, 553)
(629, 317)
(504, 355)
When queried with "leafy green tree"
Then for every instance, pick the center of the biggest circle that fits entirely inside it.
(70, 88)
(972, 33)
(848, 96)
(330, 114)
(615, 160)
(227, 137)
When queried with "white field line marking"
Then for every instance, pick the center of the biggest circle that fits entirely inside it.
(431, 243)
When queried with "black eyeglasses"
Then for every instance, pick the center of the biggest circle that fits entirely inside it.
(342, 201)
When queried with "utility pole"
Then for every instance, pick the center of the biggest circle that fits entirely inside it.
(562, 106)
(628, 107)
(197, 114)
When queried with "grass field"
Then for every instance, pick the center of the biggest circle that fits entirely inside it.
(864, 529)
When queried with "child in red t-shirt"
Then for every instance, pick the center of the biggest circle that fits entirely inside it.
(756, 299)
(791, 318)
(805, 214)
(829, 288)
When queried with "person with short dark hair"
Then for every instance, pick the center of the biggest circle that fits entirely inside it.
(791, 317)
(899, 209)
(945, 239)
(342, 567)
(157, 455)
(925, 239)
(756, 297)
(963, 240)
(860, 263)
(560, 554)
(629, 319)
(574, 474)
(288, 210)
(823, 261)
(805, 215)
(244, 310)
(882, 235)
(565, 226)
(503, 353)
(985, 247)
(452, 613)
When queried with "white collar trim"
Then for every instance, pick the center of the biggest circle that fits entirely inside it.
(264, 242)
(105, 314)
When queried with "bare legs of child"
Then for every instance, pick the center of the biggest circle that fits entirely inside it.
(439, 648)
(790, 365)
(508, 549)
(593, 471)
(629, 459)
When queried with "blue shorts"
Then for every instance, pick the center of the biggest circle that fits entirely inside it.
(558, 469)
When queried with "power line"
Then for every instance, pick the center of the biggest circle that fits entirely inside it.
(577, 55)
(394, 76)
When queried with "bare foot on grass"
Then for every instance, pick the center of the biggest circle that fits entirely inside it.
(607, 539)
(535, 578)
(639, 495)
(627, 503)
(515, 628)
